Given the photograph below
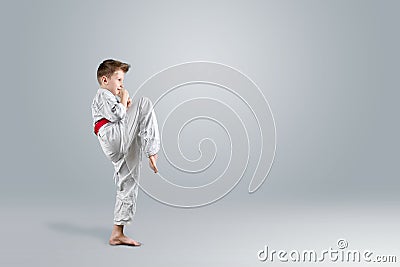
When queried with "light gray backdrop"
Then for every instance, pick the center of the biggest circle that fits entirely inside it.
(329, 70)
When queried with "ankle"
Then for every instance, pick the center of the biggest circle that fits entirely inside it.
(118, 230)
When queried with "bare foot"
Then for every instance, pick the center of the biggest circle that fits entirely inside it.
(152, 163)
(124, 241)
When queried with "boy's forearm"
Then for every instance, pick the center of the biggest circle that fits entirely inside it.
(124, 101)
(124, 95)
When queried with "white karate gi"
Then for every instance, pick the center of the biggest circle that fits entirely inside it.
(123, 139)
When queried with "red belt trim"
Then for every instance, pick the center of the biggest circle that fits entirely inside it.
(99, 124)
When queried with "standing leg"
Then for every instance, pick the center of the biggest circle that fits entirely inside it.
(127, 191)
(125, 205)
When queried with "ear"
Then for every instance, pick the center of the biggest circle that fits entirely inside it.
(104, 79)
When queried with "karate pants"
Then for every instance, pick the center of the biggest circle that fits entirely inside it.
(124, 143)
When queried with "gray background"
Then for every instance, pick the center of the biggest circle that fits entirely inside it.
(329, 70)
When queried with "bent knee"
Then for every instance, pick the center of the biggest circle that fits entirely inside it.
(146, 102)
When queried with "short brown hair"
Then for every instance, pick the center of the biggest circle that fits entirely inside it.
(109, 66)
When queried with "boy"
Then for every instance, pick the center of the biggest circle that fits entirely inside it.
(124, 128)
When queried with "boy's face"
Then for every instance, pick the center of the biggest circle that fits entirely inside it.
(115, 83)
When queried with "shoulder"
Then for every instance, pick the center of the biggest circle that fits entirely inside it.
(100, 98)
(104, 94)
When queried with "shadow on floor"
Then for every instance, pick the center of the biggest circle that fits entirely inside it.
(74, 229)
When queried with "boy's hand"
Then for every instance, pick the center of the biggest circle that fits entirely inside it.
(129, 102)
(124, 95)
(152, 163)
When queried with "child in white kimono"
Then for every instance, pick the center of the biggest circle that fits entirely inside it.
(125, 128)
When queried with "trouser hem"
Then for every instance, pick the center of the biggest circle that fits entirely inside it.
(122, 222)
